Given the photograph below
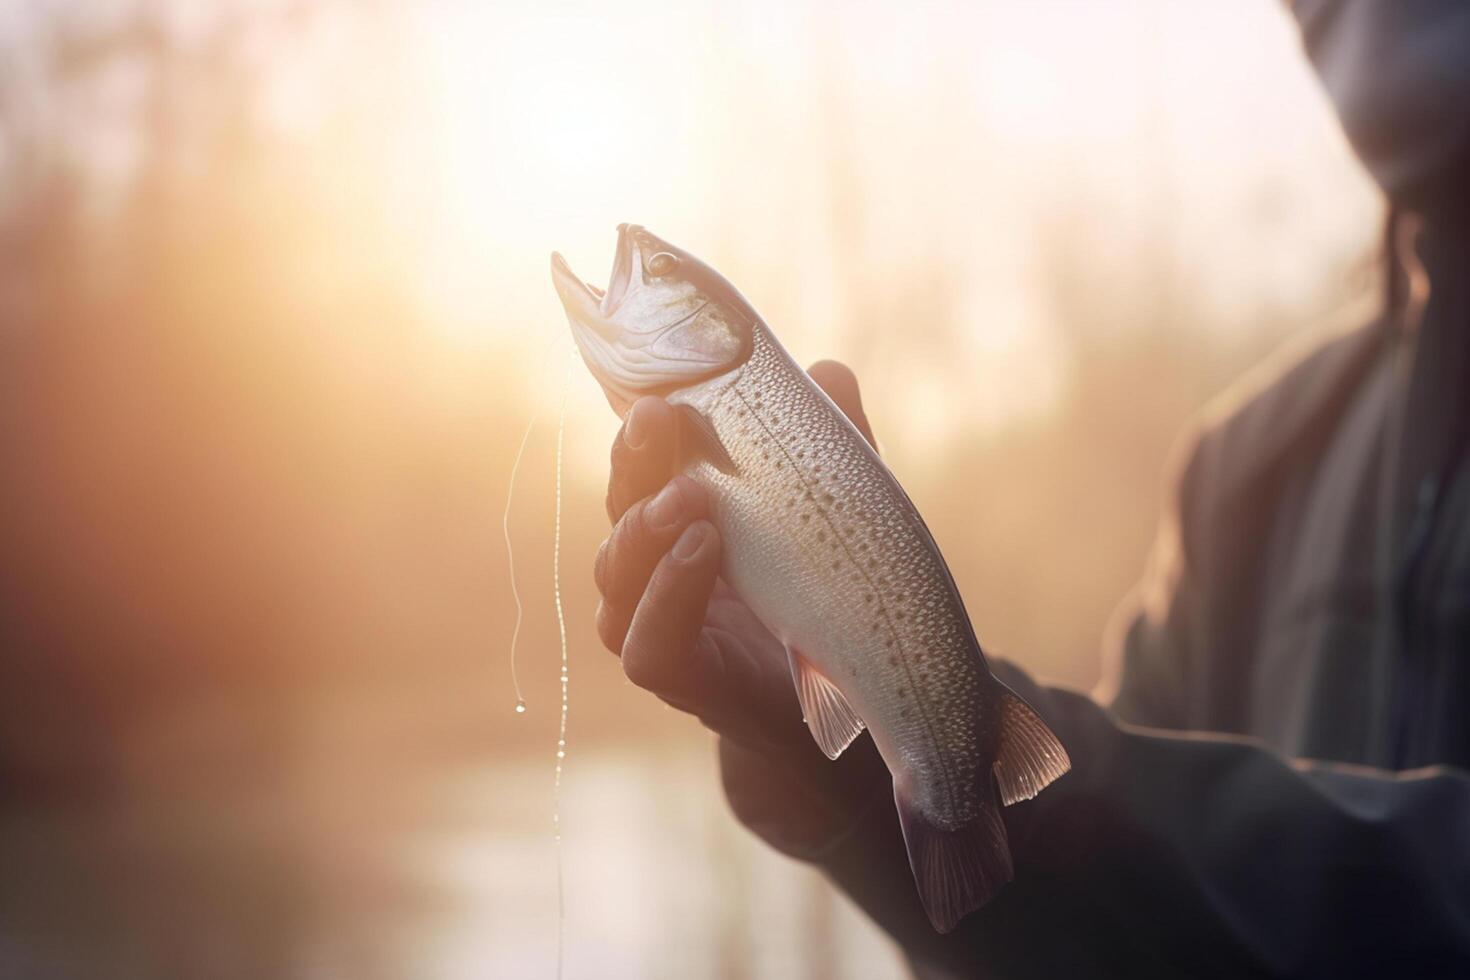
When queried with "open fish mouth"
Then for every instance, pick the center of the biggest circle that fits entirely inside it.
(591, 302)
(583, 301)
(595, 308)
(649, 332)
(627, 263)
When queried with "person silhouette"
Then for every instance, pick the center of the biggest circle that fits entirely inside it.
(1272, 779)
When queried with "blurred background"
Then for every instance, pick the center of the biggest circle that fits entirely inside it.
(275, 310)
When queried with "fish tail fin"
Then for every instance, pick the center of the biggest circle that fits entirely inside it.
(957, 871)
(1029, 757)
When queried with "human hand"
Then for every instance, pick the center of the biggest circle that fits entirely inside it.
(685, 636)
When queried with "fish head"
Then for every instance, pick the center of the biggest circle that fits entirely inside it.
(666, 320)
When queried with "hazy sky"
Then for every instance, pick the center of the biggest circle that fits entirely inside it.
(845, 164)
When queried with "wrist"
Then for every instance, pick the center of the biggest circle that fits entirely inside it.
(798, 801)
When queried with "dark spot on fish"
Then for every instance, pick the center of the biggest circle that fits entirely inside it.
(903, 712)
(821, 535)
(898, 616)
(805, 518)
(827, 497)
(868, 597)
(841, 504)
(892, 661)
(801, 454)
(836, 565)
(862, 546)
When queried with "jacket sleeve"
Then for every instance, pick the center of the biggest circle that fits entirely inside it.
(1165, 854)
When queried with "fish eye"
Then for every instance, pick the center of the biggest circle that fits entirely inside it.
(662, 264)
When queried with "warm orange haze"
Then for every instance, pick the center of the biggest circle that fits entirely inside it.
(274, 314)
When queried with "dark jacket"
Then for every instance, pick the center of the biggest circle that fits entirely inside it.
(1279, 785)
(1298, 802)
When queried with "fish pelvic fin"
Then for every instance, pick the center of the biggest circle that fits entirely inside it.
(956, 871)
(826, 710)
(1030, 756)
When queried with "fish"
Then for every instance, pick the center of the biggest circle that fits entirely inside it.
(829, 552)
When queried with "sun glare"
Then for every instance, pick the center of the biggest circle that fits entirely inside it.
(549, 107)
(545, 131)
(969, 135)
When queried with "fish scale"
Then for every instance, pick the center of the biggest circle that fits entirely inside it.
(864, 596)
(831, 555)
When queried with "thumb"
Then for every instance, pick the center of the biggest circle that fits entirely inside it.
(841, 385)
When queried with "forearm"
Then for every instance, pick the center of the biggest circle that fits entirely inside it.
(1175, 854)
(1048, 921)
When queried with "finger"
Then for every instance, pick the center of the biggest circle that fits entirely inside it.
(840, 384)
(642, 535)
(667, 624)
(626, 560)
(717, 675)
(642, 455)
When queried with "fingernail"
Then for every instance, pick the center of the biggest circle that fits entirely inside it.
(635, 434)
(688, 544)
(664, 510)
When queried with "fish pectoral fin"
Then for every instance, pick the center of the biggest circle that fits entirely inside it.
(699, 440)
(1030, 756)
(826, 710)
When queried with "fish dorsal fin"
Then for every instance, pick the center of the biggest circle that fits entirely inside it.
(826, 710)
(1030, 756)
(699, 440)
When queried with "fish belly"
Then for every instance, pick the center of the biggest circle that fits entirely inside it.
(833, 558)
(831, 555)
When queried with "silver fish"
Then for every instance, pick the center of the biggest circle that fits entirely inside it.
(828, 551)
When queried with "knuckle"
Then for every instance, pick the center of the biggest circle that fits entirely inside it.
(835, 370)
(618, 453)
(619, 571)
(610, 628)
(599, 565)
(640, 665)
(617, 479)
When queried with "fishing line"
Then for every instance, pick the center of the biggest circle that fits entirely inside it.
(561, 625)
(510, 557)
